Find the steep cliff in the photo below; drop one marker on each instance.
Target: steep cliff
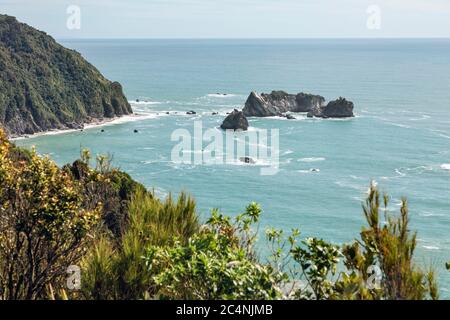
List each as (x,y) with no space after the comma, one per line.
(44,86)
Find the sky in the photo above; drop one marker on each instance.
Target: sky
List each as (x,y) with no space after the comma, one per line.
(234,18)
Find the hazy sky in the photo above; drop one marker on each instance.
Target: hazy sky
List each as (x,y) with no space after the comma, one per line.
(237,18)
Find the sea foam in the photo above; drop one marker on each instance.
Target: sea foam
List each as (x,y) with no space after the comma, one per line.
(312,159)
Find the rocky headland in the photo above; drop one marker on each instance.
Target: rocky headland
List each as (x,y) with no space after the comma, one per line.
(44,86)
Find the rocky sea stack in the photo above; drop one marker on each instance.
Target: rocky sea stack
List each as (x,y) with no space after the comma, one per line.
(340,108)
(44,86)
(236,120)
(278,103)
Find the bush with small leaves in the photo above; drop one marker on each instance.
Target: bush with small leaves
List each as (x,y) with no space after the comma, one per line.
(216,263)
(43,226)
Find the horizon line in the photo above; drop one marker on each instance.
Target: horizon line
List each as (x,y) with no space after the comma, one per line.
(255,38)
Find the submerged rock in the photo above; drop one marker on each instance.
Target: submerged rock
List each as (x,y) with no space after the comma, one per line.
(247,160)
(236,120)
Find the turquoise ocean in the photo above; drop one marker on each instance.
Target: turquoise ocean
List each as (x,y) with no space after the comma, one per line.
(400,137)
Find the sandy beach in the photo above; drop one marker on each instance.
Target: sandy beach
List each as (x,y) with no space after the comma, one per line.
(91,125)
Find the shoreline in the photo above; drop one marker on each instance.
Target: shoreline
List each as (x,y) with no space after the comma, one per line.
(87,126)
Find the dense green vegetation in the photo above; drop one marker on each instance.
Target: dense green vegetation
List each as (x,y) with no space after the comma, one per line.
(131,245)
(45,86)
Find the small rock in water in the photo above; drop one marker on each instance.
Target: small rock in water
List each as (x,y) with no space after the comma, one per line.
(315,170)
(137,100)
(103,130)
(215,113)
(167,112)
(136,131)
(191,112)
(290,117)
(247,160)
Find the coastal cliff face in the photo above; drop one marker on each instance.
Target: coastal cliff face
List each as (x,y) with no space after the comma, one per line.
(278,103)
(44,86)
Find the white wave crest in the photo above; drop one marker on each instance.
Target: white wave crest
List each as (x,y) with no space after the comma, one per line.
(221,95)
(144,102)
(312,159)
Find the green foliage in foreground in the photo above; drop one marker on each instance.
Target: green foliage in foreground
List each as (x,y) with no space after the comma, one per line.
(43,226)
(219,262)
(116,269)
(388,245)
(216,263)
(131,245)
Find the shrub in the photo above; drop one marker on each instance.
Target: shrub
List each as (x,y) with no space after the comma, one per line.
(107,185)
(116,269)
(216,263)
(388,246)
(379,266)
(43,226)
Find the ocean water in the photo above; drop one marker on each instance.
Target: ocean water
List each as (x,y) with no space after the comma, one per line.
(400,137)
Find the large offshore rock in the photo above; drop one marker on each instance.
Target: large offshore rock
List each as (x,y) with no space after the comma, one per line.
(340,108)
(236,120)
(278,103)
